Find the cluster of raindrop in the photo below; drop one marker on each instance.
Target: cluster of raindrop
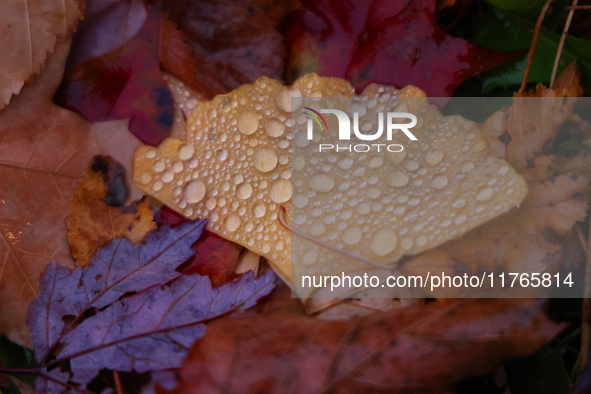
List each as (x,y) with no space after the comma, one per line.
(381,205)
(234,167)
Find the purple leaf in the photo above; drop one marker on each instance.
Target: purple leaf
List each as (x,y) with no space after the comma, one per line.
(107,25)
(46,382)
(116,269)
(153,329)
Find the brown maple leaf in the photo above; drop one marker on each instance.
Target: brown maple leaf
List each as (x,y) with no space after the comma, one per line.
(421,348)
(93,223)
(30,32)
(43,150)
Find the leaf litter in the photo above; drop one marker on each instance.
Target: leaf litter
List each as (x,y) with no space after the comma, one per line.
(44,149)
(117,312)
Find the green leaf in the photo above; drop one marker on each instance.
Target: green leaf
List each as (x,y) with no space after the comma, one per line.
(501,30)
(543,372)
(526,8)
(16,356)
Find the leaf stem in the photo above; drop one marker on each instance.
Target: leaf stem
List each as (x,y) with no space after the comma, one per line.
(31,371)
(561,43)
(532,50)
(118,385)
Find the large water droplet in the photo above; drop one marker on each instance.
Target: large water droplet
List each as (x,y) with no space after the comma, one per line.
(248,122)
(265,159)
(321,183)
(398,179)
(384,242)
(485,194)
(439,182)
(274,128)
(194,191)
(280,191)
(232,223)
(352,236)
(244,191)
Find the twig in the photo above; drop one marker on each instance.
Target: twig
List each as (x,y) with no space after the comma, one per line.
(532,50)
(561,43)
(579,7)
(118,385)
(31,371)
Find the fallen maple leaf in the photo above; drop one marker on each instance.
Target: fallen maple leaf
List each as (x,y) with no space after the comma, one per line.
(30,32)
(428,347)
(149,330)
(220,45)
(391,43)
(44,149)
(125,83)
(116,269)
(93,223)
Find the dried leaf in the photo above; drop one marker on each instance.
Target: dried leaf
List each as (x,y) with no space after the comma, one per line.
(93,224)
(125,83)
(391,43)
(44,149)
(232,43)
(30,32)
(421,348)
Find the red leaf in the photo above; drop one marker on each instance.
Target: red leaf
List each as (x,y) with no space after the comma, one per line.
(125,83)
(387,42)
(215,256)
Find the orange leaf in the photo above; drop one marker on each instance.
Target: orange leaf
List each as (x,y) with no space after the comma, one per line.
(93,224)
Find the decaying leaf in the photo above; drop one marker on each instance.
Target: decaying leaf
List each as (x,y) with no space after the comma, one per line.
(536,237)
(44,149)
(125,83)
(234,168)
(92,223)
(392,43)
(30,32)
(424,348)
(220,45)
(149,330)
